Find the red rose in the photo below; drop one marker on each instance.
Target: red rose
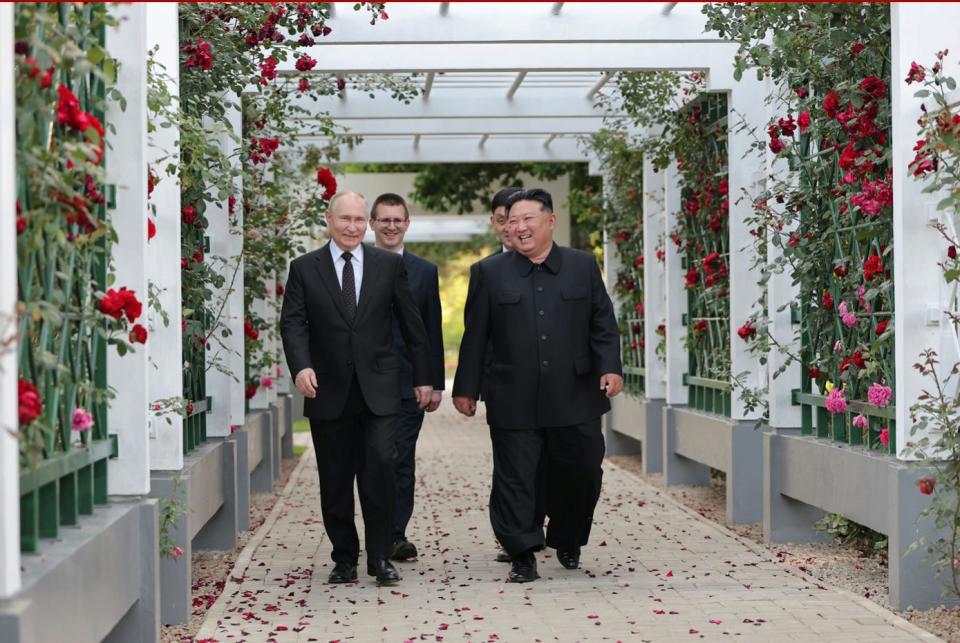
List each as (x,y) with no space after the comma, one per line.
(639,307)
(856,359)
(305,63)
(803,121)
(747,331)
(198,55)
(638,262)
(68,106)
(303,85)
(776,145)
(813,373)
(926,485)
(917,74)
(849,157)
(874,86)
(250,331)
(232,204)
(881,327)
(827,300)
(857,48)
(251,390)
(29,403)
(138,334)
(151,229)
(872,266)
(801,92)
(21,220)
(189,214)
(692,277)
(700,326)
(183,263)
(279,289)
(831,105)
(328,181)
(198,256)
(951,251)
(840,271)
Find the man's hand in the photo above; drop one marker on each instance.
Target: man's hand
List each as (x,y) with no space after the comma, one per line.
(611,384)
(435,398)
(466,405)
(306,383)
(423,394)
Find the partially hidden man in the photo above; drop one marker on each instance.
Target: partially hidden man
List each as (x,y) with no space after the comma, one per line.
(555,363)
(390,219)
(337,330)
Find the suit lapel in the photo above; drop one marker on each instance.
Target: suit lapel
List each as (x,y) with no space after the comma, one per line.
(328,275)
(366,282)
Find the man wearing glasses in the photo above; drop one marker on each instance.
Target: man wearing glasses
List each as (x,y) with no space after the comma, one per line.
(391,219)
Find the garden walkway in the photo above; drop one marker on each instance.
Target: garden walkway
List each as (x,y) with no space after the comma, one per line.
(654,571)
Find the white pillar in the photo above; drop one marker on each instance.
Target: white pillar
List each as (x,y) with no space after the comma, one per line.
(746,100)
(9,418)
(235,306)
(678,362)
(226,246)
(917,247)
(262,398)
(163,256)
(654,218)
(126,162)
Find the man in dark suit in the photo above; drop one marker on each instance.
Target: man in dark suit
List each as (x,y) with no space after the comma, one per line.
(556,361)
(390,220)
(337,330)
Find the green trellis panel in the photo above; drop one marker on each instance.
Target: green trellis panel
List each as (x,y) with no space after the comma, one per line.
(64,475)
(708,370)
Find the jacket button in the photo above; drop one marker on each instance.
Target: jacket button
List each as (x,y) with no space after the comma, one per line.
(546,363)
(543,337)
(539,288)
(541,313)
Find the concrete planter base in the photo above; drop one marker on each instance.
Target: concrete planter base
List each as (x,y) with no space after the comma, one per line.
(96,582)
(634,424)
(805,477)
(693,442)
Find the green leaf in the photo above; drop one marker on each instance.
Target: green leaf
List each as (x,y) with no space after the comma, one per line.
(95,55)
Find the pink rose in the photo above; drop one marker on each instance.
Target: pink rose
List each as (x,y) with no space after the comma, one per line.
(82,419)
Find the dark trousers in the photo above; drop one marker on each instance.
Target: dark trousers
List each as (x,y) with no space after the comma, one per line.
(357,445)
(572,457)
(409,423)
(540,495)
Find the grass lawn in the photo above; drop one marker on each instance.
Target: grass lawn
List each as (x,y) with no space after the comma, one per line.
(301,426)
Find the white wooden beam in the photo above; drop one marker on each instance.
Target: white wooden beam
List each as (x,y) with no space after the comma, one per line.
(9,418)
(428,85)
(126,165)
(422,22)
(450,57)
(516,84)
(554,102)
(163,257)
(675,296)
(461,150)
(654,278)
(468,126)
(917,277)
(607,75)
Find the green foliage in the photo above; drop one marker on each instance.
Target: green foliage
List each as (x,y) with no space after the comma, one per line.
(852,534)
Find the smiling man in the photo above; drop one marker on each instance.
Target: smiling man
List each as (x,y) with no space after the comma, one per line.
(337,329)
(555,362)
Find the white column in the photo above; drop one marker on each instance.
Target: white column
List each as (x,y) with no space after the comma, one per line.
(917,247)
(272,343)
(226,246)
(746,100)
(675,299)
(654,219)
(9,419)
(126,162)
(163,257)
(235,305)
(611,259)
(262,398)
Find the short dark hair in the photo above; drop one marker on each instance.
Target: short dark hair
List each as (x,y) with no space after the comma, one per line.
(503,197)
(534,194)
(389,198)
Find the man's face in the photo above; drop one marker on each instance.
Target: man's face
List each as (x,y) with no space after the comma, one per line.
(499,222)
(390,226)
(531,228)
(347,221)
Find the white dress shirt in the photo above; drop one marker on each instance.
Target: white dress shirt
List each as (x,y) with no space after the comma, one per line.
(339,261)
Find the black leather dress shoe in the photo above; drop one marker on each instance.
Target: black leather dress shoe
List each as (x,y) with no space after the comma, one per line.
(523,569)
(569,558)
(385,572)
(403,549)
(342,573)
(503,556)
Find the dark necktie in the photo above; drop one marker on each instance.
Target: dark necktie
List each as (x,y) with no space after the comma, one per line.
(349,288)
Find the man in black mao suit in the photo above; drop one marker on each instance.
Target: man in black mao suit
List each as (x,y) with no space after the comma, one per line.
(390,220)
(337,330)
(555,362)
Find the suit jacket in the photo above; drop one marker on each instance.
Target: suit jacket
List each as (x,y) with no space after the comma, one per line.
(317,335)
(552,332)
(471,293)
(424,282)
